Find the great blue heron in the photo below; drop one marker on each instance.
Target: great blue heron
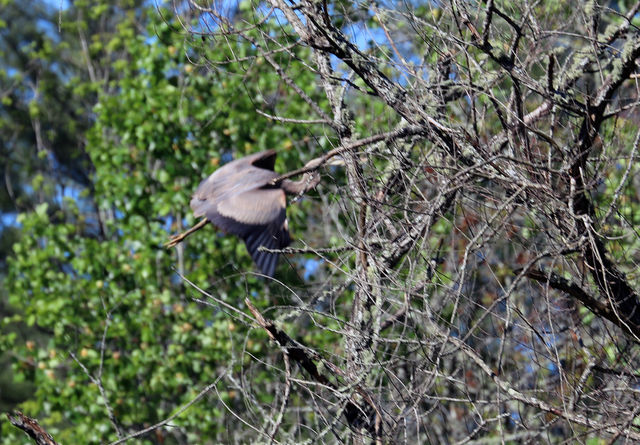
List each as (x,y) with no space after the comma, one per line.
(243,199)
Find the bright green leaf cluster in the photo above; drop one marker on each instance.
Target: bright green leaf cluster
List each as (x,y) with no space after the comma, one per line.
(161,126)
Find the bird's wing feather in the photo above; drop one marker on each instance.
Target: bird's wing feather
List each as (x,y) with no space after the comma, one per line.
(271,238)
(257,216)
(265,159)
(239,214)
(237,199)
(254,207)
(230,183)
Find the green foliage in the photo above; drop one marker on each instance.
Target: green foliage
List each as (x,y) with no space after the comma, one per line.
(120,112)
(161,126)
(43,118)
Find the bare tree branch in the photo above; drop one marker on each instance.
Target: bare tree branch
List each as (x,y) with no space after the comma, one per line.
(31,428)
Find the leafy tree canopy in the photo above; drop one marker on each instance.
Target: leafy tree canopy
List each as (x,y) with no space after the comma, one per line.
(161,125)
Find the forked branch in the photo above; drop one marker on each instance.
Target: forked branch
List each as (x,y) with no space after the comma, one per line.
(357,416)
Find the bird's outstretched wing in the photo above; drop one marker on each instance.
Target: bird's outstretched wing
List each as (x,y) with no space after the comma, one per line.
(238,199)
(258,216)
(271,237)
(265,159)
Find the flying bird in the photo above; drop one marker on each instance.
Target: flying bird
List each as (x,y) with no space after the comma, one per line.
(245,198)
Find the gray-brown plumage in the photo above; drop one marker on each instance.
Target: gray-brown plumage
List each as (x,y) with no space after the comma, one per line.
(239,198)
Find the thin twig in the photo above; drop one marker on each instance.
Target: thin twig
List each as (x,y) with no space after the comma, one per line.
(103,394)
(182,409)
(355,414)
(294,121)
(319,161)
